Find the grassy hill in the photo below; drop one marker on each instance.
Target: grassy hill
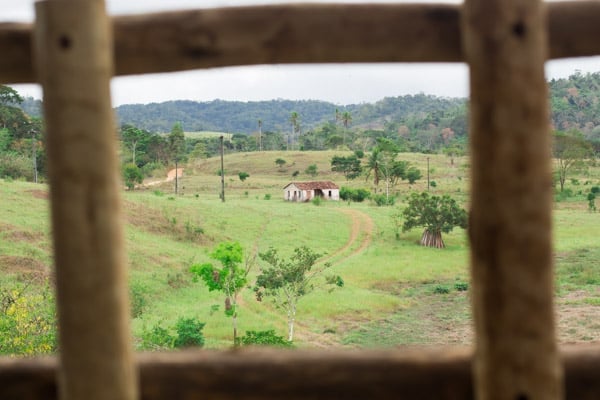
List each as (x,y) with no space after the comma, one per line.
(395,291)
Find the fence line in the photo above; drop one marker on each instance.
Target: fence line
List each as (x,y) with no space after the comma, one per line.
(184,40)
(268,374)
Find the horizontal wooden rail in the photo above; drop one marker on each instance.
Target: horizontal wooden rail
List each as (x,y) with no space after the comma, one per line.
(270,374)
(308,33)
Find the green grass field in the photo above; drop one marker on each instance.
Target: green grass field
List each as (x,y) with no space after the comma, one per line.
(395,292)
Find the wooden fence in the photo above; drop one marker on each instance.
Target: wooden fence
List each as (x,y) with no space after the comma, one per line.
(73,50)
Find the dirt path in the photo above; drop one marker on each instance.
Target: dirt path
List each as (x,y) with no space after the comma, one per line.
(361,230)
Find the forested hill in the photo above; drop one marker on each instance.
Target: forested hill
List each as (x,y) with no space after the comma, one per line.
(224,116)
(242,117)
(575,103)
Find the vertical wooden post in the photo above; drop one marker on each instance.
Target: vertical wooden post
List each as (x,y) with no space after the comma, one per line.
(74,63)
(510,221)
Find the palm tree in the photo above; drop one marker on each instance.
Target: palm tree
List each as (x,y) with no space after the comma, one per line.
(346,119)
(295,121)
(374,165)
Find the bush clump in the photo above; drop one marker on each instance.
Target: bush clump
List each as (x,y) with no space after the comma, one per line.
(263,338)
(188,333)
(356,195)
(383,200)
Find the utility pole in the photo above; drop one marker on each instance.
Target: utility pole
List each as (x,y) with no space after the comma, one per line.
(222,173)
(428,174)
(259,135)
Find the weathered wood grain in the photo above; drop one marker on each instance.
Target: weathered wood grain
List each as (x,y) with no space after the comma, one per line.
(75,67)
(442,373)
(184,40)
(510,221)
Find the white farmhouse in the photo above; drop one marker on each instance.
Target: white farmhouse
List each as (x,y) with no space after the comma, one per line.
(305,191)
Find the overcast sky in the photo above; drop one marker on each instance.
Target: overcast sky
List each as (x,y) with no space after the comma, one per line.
(340,84)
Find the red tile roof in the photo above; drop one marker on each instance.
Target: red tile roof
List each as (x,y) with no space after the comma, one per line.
(322,185)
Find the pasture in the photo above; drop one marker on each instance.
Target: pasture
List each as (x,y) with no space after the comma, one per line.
(395,292)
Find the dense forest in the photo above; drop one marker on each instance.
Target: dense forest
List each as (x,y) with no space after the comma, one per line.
(153,134)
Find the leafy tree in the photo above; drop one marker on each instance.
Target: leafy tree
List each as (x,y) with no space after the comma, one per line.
(176,141)
(311,170)
(27,322)
(454,149)
(413,174)
(287,281)
(570,150)
(132,138)
(349,166)
(132,175)
(9,96)
(230,278)
(243,176)
(436,214)
(280,162)
(189,333)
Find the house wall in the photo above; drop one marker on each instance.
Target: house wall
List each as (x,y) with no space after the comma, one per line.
(292,193)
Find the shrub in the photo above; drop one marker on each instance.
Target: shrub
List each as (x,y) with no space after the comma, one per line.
(461,286)
(137,299)
(189,333)
(356,195)
(132,175)
(317,201)
(383,200)
(263,338)
(440,289)
(157,338)
(27,322)
(243,176)
(268,196)
(413,174)
(564,195)
(432,183)
(15,166)
(312,170)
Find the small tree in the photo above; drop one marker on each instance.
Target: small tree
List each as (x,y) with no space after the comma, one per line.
(312,170)
(413,174)
(132,175)
(570,150)
(243,176)
(436,214)
(287,281)
(349,166)
(280,162)
(229,279)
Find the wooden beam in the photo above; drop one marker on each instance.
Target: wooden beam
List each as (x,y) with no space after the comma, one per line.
(510,221)
(442,373)
(74,62)
(184,40)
